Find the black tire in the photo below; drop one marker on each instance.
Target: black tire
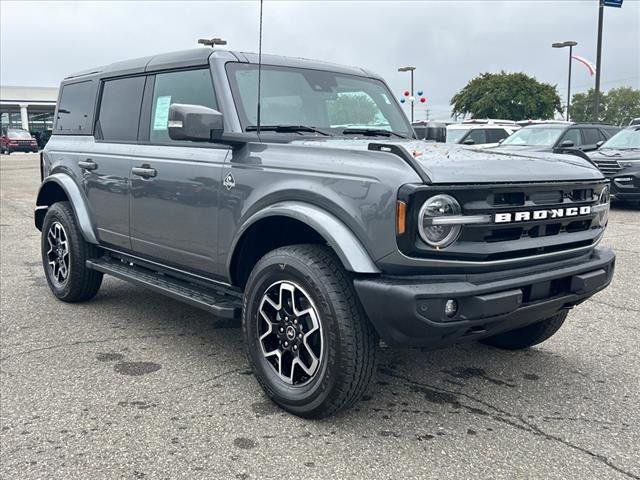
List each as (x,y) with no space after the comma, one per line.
(347,359)
(80,283)
(528,336)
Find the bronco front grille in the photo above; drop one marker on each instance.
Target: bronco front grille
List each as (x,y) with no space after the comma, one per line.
(510,240)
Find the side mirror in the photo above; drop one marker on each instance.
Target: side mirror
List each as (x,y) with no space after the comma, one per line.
(194,122)
(500,141)
(566,144)
(469,141)
(599,144)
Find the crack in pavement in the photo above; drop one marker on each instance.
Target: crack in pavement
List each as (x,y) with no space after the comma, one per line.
(184,387)
(88,342)
(612,305)
(503,416)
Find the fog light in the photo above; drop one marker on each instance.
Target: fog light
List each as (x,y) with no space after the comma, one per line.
(450,308)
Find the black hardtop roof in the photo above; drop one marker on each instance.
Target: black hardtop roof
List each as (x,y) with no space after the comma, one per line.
(200,56)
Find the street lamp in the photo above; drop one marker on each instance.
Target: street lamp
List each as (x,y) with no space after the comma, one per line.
(409,69)
(569,44)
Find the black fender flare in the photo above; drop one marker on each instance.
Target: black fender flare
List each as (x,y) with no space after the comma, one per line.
(76,198)
(339,237)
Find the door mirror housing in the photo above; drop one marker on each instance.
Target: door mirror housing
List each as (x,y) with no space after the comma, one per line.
(469,141)
(566,144)
(599,144)
(195,123)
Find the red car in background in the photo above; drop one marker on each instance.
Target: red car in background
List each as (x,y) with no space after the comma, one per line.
(17,140)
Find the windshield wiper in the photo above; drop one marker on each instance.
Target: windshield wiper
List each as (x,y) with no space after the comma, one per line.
(286,128)
(372,132)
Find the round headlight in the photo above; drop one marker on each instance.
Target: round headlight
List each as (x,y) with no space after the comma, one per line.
(437,233)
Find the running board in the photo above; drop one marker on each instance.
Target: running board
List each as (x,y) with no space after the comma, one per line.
(224,303)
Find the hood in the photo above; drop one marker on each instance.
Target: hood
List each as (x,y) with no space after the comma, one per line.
(611,154)
(523,148)
(452,163)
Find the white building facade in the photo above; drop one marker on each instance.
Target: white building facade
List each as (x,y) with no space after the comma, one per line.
(29,108)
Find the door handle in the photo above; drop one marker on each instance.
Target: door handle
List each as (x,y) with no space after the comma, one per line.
(87,164)
(144,171)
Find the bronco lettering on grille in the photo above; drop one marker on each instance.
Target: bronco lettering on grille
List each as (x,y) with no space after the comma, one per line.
(526,216)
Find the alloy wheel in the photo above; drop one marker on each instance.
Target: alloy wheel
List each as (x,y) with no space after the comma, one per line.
(58,253)
(290,332)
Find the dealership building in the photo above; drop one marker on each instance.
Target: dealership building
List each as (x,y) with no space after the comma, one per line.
(29,108)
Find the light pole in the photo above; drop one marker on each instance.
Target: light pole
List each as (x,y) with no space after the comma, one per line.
(596,96)
(569,44)
(409,69)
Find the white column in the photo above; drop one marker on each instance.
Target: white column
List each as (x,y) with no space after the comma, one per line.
(24,116)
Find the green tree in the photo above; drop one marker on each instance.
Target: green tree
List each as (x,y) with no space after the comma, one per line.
(354,109)
(581,109)
(510,96)
(621,105)
(617,106)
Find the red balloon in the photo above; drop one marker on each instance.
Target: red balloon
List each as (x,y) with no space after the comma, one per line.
(406,93)
(423,100)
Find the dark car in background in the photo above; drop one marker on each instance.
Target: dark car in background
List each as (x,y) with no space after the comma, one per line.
(561,137)
(619,160)
(430,130)
(17,140)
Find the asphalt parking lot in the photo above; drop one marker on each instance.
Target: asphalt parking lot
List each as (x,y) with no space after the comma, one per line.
(135,385)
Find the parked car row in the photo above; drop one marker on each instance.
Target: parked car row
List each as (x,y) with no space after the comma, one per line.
(615,151)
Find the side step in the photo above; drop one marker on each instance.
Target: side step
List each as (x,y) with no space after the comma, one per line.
(224,303)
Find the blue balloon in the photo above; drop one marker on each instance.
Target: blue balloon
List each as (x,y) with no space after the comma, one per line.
(420,93)
(402,100)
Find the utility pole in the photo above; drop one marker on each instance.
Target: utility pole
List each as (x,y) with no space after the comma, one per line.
(596,96)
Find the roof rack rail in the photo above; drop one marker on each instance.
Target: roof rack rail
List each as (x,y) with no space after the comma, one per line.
(488,121)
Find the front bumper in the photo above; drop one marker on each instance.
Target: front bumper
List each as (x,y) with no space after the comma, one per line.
(409,311)
(626,187)
(22,148)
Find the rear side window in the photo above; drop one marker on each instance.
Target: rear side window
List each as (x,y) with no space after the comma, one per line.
(75,108)
(120,109)
(193,87)
(592,136)
(478,135)
(572,135)
(494,135)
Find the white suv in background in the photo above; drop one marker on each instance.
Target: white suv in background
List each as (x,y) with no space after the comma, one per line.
(480,132)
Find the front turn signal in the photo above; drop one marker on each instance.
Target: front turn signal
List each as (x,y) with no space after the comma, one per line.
(401,217)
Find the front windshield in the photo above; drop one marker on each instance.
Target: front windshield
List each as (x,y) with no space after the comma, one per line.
(624,140)
(320,99)
(534,136)
(455,134)
(19,134)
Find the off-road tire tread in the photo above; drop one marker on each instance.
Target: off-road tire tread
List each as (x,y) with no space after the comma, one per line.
(359,338)
(84,283)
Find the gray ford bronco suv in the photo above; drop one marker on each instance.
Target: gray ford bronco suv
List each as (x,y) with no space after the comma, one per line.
(323,223)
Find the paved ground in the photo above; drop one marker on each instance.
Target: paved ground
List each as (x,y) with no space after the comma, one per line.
(134,385)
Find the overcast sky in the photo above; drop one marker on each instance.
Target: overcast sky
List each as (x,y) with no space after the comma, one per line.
(448,41)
